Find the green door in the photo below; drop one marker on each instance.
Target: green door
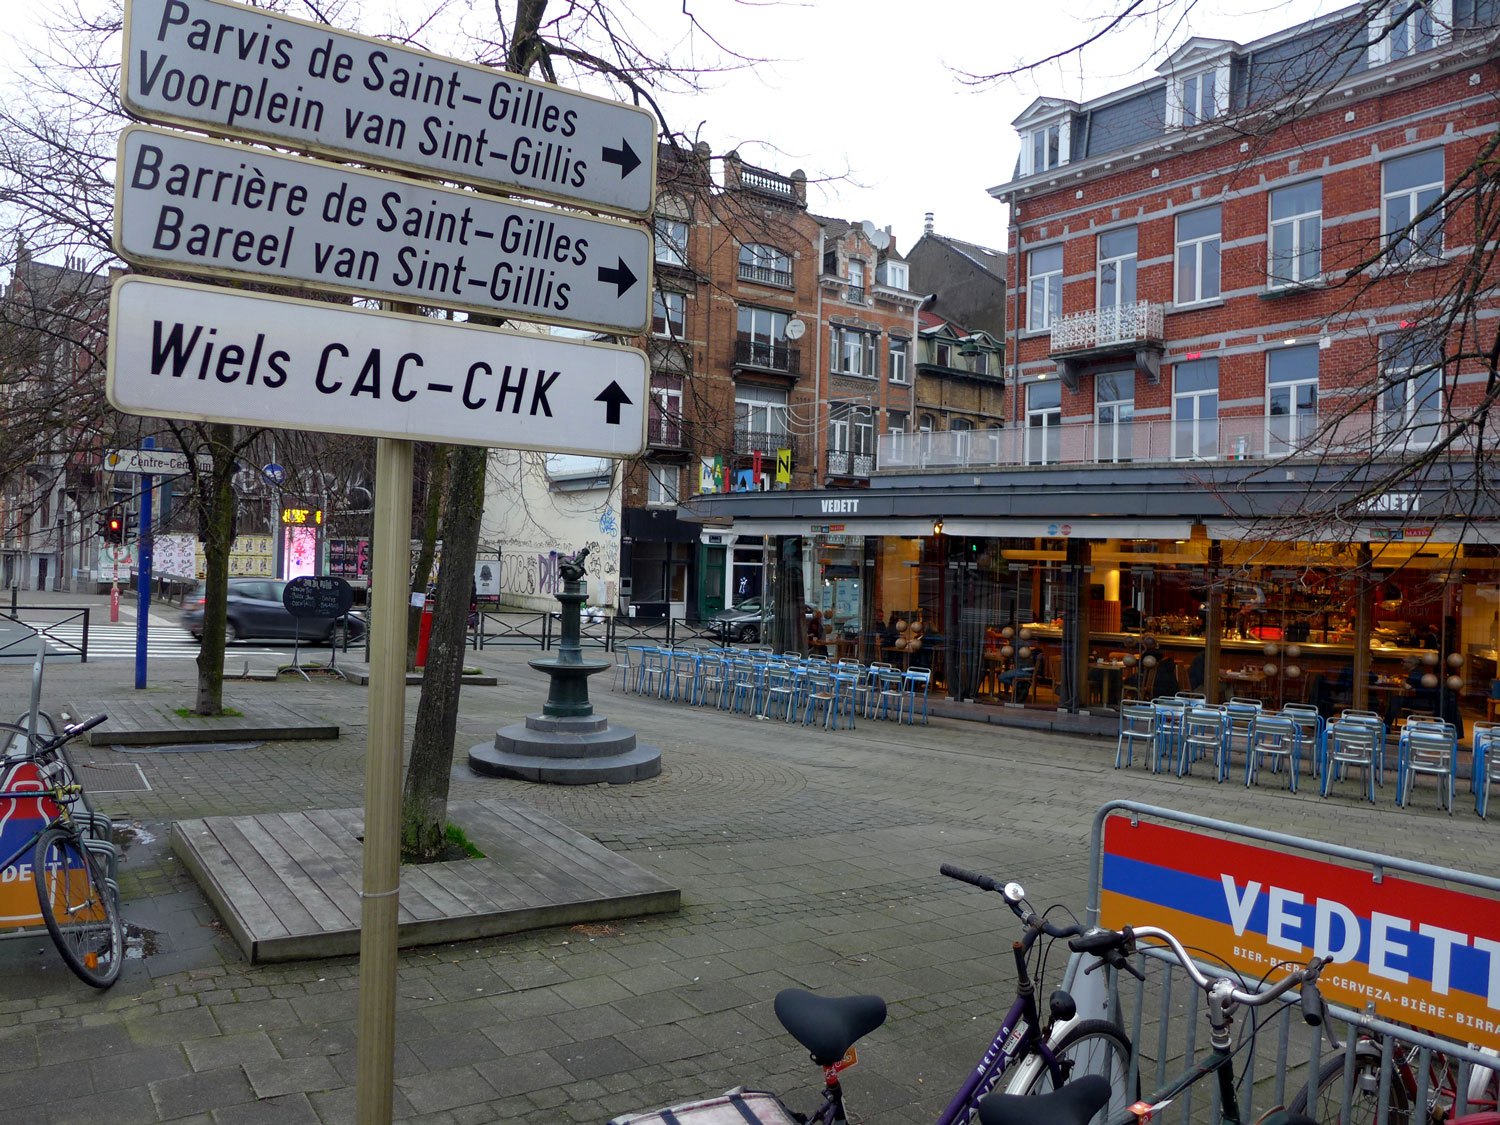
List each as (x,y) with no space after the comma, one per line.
(711,580)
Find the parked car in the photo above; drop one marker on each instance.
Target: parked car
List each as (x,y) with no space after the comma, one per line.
(253,610)
(741,624)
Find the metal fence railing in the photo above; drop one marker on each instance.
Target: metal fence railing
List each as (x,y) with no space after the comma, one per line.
(65,629)
(1385,1071)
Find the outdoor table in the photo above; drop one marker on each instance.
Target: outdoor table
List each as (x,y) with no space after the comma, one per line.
(1109,675)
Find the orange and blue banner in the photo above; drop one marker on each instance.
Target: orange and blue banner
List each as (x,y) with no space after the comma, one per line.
(1422,954)
(21,818)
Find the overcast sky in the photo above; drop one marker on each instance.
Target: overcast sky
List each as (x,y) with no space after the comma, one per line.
(867,96)
(870,89)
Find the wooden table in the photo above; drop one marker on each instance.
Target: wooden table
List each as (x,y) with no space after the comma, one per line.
(1110,678)
(1252,683)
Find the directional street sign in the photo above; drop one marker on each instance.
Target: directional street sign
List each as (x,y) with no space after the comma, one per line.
(179,350)
(218,208)
(244,72)
(157,462)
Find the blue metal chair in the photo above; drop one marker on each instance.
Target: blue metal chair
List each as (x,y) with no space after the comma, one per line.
(1483,769)
(819,698)
(1310,722)
(1204,734)
(1427,748)
(1137,724)
(915,678)
(1277,739)
(1355,742)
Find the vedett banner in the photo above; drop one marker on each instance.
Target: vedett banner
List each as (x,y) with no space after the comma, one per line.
(1424,955)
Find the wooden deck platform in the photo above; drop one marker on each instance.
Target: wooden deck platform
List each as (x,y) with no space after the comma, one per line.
(286,885)
(156,723)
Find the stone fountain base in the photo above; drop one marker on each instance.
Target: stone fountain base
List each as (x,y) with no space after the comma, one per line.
(582,750)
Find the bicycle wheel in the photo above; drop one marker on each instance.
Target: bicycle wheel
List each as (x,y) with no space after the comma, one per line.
(78,907)
(1364,1100)
(1089,1047)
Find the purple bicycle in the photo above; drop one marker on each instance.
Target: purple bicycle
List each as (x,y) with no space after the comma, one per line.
(1031,1057)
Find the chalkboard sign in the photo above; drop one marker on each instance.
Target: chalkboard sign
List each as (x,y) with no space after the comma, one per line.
(318,596)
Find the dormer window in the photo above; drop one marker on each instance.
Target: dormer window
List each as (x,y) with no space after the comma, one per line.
(1402,28)
(1195,98)
(1046,148)
(891,274)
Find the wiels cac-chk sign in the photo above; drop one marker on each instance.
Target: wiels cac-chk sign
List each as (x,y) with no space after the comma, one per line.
(193,351)
(216,208)
(243,72)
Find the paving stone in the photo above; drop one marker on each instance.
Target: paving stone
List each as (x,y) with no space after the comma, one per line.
(116,1107)
(444,1089)
(230,1050)
(289,1109)
(202,1092)
(274,1077)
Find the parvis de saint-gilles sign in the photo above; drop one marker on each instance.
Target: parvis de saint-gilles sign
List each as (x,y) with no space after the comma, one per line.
(181,350)
(243,72)
(219,208)
(1419,953)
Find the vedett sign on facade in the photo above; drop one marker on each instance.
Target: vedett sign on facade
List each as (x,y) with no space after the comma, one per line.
(243,72)
(1422,954)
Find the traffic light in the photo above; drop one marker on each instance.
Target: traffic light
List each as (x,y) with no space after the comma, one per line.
(114,529)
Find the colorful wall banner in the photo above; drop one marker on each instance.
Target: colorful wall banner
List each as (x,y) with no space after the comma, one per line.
(1423,955)
(783,466)
(20,819)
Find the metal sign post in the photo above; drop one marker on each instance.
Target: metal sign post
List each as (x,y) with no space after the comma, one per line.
(143,573)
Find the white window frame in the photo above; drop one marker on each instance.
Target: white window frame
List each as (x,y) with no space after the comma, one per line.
(962,429)
(852,351)
(1403,249)
(1123,265)
(670,240)
(1426,27)
(942,353)
(1197,247)
(664,425)
(893,275)
(899,350)
(757,260)
(1300,424)
(1117,430)
(663,485)
(1041,313)
(1418,422)
(1301,227)
(1185,103)
(670,308)
(1043,427)
(1054,140)
(760,410)
(1202,427)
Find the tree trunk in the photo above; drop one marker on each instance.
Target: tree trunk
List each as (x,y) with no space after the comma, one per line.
(424,807)
(216,506)
(437,479)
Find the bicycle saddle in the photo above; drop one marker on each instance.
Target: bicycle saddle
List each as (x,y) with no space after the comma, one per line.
(828,1025)
(1073,1104)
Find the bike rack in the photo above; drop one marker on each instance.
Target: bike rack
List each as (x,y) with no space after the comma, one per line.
(1286,1053)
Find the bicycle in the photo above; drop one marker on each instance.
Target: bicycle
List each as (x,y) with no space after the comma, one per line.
(1035,1057)
(1432,1082)
(76,903)
(1114,947)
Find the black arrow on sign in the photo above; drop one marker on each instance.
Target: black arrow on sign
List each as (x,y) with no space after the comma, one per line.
(624,156)
(613,398)
(621,276)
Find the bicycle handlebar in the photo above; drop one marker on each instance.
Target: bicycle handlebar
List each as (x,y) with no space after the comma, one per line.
(78,728)
(1034,923)
(1123,942)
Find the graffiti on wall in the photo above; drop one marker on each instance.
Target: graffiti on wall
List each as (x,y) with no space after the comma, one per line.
(536,571)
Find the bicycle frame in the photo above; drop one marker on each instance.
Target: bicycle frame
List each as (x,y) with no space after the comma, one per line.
(1020,1035)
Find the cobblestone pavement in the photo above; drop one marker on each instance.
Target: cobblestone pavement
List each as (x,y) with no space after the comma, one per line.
(806,858)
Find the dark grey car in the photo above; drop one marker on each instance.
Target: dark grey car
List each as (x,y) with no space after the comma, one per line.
(253,610)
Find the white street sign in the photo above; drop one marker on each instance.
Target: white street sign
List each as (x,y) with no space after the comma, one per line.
(179,350)
(245,72)
(219,208)
(157,462)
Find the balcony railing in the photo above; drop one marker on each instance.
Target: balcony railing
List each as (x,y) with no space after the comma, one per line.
(767,356)
(664,431)
(1224,439)
(843,463)
(758,179)
(764,442)
(856,294)
(1136,323)
(765,275)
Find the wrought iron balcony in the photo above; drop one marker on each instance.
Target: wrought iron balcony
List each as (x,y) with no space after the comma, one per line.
(764,442)
(1126,325)
(843,463)
(767,356)
(664,431)
(856,294)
